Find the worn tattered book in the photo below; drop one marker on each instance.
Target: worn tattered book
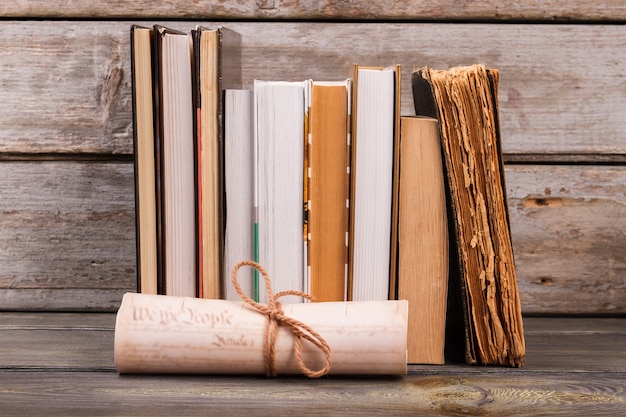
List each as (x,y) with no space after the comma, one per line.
(483,279)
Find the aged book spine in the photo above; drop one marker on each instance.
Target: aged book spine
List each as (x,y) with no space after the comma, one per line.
(166,334)
(423,239)
(464,99)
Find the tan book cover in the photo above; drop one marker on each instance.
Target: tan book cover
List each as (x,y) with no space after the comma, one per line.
(142,43)
(423,239)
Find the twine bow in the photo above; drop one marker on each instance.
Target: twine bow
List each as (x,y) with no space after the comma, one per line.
(275,318)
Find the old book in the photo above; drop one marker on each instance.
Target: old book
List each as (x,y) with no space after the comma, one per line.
(465,102)
(373,192)
(217,66)
(142,40)
(423,239)
(239,188)
(328,189)
(280,114)
(173,52)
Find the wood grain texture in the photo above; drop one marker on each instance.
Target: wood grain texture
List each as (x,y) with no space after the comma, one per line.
(59,321)
(66,87)
(68,236)
(568,228)
(77,350)
(67,227)
(68,231)
(342,9)
(84,341)
(65,299)
(68,369)
(426,394)
(573,344)
(62,90)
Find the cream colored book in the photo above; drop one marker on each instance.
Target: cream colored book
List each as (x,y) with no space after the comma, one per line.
(373,192)
(176,162)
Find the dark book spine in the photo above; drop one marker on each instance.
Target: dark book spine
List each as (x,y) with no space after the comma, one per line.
(459,331)
(196,95)
(158,136)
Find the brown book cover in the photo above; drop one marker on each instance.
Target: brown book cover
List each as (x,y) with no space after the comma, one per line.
(328,189)
(483,282)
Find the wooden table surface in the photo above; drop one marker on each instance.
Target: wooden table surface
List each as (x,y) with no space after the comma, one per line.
(62,364)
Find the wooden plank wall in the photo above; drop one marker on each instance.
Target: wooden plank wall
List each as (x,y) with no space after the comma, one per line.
(66,194)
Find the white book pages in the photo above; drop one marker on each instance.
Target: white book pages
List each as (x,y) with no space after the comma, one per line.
(279,141)
(373,174)
(178,167)
(239,184)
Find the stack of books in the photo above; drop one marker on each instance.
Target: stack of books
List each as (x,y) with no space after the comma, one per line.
(329,187)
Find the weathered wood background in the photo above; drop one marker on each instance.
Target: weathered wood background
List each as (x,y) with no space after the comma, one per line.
(573,367)
(67,239)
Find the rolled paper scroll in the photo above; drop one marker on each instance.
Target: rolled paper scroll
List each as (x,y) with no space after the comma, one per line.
(166,334)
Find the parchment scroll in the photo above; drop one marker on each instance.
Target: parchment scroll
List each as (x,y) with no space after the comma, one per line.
(166,334)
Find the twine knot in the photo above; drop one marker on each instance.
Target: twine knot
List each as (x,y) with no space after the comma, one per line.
(275,318)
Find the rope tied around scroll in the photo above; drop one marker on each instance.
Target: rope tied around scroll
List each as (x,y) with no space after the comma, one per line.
(275,318)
